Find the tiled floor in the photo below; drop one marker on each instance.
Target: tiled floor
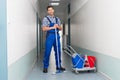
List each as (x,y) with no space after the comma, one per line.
(37,73)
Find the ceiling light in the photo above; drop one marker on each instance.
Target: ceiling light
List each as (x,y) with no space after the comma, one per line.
(54,4)
(54,0)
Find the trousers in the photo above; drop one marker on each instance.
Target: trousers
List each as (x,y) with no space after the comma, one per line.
(51,41)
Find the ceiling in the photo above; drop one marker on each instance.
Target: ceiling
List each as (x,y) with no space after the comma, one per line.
(60,10)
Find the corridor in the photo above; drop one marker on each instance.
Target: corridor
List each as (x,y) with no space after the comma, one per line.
(91,27)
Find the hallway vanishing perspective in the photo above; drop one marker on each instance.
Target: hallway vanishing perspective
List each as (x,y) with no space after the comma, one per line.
(91,27)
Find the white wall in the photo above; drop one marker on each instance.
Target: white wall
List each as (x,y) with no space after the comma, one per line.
(96,26)
(21,29)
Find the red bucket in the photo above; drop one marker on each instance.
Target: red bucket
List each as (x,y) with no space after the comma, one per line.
(91,60)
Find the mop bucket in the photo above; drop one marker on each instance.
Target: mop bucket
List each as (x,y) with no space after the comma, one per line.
(91,60)
(80,62)
(77,61)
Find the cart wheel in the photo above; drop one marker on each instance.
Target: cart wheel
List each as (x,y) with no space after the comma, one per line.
(73,70)
(88,71)
(76,72)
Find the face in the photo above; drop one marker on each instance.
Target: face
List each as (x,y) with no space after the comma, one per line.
(50,11)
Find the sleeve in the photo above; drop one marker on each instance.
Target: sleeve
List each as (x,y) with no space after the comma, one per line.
(59,21)
(45,22)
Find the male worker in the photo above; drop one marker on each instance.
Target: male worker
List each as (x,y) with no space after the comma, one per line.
(49,24)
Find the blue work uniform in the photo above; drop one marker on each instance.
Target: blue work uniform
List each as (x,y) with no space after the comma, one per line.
(51,41)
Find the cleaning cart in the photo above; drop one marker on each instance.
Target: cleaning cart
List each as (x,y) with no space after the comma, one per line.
(81,62)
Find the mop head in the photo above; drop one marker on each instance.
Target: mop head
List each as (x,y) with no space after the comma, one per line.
(58,72)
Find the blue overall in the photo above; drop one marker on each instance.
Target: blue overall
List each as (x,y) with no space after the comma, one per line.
(51,41)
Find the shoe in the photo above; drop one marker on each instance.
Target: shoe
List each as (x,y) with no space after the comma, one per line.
(61,68)
(45,70)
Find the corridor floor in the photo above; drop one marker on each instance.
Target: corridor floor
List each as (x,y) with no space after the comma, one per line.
(37,74)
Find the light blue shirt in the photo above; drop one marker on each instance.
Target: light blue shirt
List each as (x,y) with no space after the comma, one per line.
(46,22)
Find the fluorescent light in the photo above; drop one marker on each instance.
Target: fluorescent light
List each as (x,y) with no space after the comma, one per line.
(54,4)
(54,0)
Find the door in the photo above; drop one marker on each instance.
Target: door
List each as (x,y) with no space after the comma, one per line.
(69,27)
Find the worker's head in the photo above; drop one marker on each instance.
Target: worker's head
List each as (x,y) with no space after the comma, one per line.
(50,10)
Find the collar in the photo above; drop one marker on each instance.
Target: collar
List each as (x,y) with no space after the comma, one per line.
(51,16)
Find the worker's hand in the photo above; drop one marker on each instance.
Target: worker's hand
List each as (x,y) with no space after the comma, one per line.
(55,26)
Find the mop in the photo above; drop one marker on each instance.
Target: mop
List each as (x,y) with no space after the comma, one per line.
(57,71)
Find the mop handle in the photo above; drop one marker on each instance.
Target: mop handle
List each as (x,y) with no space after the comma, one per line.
(57,46)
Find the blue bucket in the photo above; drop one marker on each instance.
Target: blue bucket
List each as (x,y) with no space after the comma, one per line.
(78,61)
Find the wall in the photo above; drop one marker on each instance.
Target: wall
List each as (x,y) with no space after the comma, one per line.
(98,24)
(3,40)
(95,27)
(21,37)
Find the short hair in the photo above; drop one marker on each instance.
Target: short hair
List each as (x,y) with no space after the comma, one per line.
(50,7)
